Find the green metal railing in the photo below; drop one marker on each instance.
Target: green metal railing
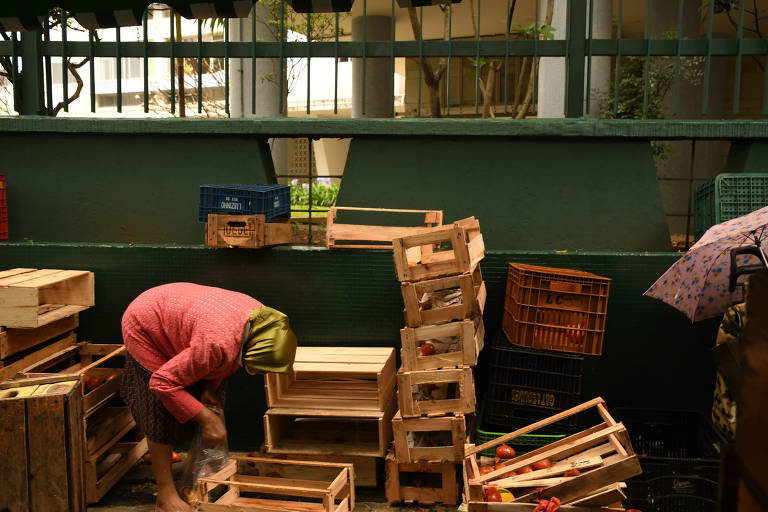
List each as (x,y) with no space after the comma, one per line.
(35,51)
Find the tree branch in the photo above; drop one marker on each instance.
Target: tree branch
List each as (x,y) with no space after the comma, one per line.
(77,92)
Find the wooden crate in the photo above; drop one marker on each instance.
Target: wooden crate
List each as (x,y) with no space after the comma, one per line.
(450,391)
(469,339)
(360,236)
(333,493)
(42,445)
(366,468)
(32,298)
(11,367)
(449,434)
(78,359)
(246,231)
(106,466)
(422,299)
(514,506)
(328,431)
(355,378)
(555,309)
(13,341)
(603,454)
(421,482)
(419,257)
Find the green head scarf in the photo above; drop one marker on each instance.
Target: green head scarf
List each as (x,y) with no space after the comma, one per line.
(269,344)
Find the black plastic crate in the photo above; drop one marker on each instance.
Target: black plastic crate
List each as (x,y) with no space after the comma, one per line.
(268,200)
(500,416)
(540,378)
(679,452)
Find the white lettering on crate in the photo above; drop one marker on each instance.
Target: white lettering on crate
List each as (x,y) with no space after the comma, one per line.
(229,205)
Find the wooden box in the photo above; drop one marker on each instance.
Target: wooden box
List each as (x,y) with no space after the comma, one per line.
(361,236)
(328,487)
(32,298)
(107,465)
(421,482)
(441,251)
(42,445)
(366,468)
(436,301)
(328,432)
(468,339)
(355,378)
(602,454)
(432,439)
(10,367)
(13,341)
(101,377)
(246,231)
(450,391)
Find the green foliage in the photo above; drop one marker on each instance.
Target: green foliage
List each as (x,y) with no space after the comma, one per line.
(517,32)
(322,195)
(323,25)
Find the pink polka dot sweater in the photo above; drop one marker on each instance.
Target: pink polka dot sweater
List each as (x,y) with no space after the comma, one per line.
(184,333)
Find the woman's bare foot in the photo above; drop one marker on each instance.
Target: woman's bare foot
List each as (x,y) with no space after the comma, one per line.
(172,502)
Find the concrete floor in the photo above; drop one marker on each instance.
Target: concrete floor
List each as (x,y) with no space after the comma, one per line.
(135,492)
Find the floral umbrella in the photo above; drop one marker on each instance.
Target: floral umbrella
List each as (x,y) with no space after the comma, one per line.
(698,283)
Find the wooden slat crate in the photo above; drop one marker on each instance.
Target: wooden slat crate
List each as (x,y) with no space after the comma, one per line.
(13,341)
(417,259)
(360,236)
(436,301)
(357,378)
(513,506)
(42,445)
(366,468)
(106,466)
(421,482)
(335,492)
(456,344)
(246,231)
(328,432)
(602,454)
(432,439)
(32,298)
(450,391)
(11,367)
(101,377)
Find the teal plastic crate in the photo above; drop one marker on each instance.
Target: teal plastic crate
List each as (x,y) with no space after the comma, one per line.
(727,196)
(521,444)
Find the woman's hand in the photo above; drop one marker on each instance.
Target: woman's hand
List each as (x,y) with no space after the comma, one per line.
(213,430)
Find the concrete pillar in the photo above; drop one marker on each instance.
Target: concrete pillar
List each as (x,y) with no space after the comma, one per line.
(552,69)
(267,87)
(378,73)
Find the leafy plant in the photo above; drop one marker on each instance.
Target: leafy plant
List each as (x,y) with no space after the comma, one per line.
(322,194)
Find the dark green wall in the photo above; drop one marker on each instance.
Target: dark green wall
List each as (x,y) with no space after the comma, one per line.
(121,187)
(748,157)
(653,356)
(528,194)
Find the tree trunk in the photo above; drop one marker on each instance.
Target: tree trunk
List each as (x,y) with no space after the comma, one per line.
(431,77)
(521,76)
(180,73)
(489,90)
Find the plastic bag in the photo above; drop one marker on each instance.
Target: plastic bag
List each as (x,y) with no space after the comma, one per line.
(203,461)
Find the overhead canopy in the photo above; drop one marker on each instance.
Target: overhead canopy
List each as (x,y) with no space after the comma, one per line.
(26,15)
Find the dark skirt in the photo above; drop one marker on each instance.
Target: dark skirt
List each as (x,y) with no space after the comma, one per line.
(151,416)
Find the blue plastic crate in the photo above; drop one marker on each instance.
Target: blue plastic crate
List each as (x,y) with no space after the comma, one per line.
(727,196)
(268,200)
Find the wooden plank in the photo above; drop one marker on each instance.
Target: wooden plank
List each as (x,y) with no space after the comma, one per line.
(13,272)
(97,488)
(453,452)
(75,442)
(364,468)
(359,236)
(254,504)
(30,317)
(10,371)
(72,287)
(603,497)
(109,424)
(13,341)
(13,464)
(47,447)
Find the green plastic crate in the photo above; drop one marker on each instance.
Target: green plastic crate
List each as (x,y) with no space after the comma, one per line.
(521,444)
(727,196)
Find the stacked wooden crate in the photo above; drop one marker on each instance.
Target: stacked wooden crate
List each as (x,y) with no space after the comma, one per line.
(444,296)
(337,407)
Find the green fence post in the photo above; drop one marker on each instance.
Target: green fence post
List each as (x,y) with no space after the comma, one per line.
(574,71)
(32,77)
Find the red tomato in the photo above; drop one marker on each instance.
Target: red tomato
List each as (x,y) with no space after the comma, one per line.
(484,470)
(542,464)
(492,494)
(250,463)
(572,472)
(526,469)
(428,349)
(505,475)
(175,457)
(505,452)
